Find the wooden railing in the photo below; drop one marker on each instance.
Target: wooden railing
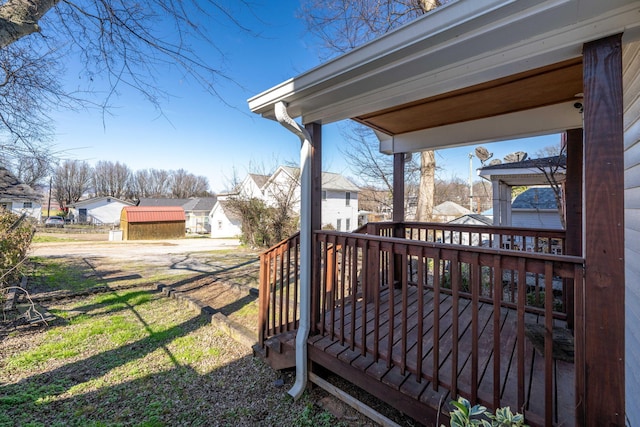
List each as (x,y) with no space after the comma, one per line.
(355,270)
(279,309)
(511,238)
(351,273)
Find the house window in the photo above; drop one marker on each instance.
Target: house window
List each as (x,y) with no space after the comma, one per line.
(339,225)
(347,199)
(347,224)
(324,195)
(27,205)
(108,200)
(219,225)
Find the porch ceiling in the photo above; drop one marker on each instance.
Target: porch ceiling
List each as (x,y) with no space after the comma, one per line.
(541,87)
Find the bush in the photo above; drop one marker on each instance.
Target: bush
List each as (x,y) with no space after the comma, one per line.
(465,415)
(16,233)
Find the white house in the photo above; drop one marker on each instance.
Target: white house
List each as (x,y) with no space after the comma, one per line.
(98,210)
(536,207)
(339,200)
(17,197)
(223,222)
(448,211)
(339,196)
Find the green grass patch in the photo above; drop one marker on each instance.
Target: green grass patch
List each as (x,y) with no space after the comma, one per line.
(56,274)
(44,238)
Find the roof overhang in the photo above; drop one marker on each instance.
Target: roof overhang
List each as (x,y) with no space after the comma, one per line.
(447,78)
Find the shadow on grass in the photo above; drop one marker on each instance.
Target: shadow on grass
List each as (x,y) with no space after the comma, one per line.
(241,392)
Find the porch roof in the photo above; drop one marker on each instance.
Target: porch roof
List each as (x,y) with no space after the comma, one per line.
(442,80)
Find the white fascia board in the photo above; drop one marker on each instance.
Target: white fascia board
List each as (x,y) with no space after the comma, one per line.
(539,121)
(464,43)
(563,43)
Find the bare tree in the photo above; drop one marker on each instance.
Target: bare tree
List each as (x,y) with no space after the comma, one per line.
(552,162)
(30,168)
(159,181)
(342,25)
(110,179)
(120,44)
(71,181)
(184,185)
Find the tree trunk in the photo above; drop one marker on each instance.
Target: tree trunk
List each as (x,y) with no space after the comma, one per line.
(427,186)
(19,18)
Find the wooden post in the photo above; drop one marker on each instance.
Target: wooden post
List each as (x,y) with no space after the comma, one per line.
(601,338)
(398,213)
(315,130)
(573,209)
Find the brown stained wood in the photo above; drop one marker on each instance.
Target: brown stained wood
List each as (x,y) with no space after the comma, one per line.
(604,371)
(475,347)
(394,378)
(544,86)
(408,385)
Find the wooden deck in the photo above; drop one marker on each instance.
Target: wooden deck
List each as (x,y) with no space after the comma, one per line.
(425,378)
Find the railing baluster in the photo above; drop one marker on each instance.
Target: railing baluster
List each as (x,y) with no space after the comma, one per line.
(391,291)
(288,292)
(366,287)
(405,286)
(497,297)
(436,319)
(522,290)
(281,292)
(548,343)
(342,298)
(455,327)
(475,271)
(354,289)
(421,288)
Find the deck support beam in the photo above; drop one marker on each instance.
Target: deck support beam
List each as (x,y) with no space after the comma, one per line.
(601,401)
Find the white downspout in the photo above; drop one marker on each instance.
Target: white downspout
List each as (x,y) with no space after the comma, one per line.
(305,247)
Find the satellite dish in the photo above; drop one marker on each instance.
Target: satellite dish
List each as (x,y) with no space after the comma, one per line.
(518,156)
(483,154)
(495,162)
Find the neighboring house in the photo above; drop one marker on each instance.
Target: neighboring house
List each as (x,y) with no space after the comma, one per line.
(466,238)
(17,197)
(537,208)
(339,200)
(196,210)
(339,196)
(97,211)
(470,72)
(448,211)
(224,222)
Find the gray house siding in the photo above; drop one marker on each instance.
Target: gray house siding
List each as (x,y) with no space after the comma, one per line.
(631,82)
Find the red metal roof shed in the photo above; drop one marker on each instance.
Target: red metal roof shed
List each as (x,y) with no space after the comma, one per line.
(152,222)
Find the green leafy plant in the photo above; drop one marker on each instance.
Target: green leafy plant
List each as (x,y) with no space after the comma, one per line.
(465,415)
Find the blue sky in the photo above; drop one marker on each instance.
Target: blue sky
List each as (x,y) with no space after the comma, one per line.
(203,135)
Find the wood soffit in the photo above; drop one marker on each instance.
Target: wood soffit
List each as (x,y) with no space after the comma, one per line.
(549,85)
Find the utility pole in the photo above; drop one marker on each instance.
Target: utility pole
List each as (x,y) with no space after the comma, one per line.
(49,201)
(470,182)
